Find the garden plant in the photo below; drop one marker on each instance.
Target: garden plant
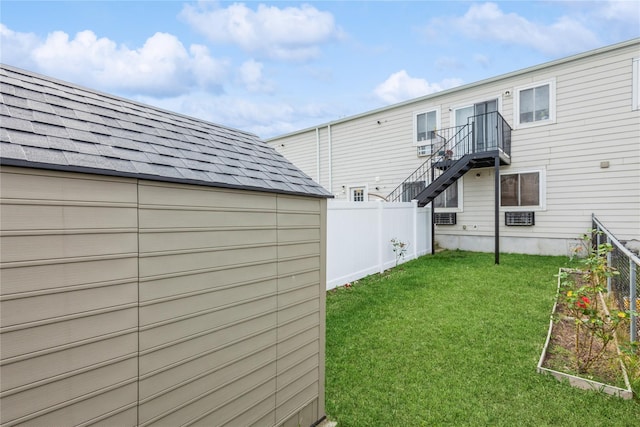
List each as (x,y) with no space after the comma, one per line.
(581,299)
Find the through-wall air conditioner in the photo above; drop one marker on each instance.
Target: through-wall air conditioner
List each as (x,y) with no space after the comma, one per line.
(519,218)
(444,218)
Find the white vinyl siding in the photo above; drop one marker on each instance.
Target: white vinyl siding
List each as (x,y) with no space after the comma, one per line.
(636,84)
(592,124)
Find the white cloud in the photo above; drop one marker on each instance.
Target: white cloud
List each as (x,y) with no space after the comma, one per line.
(618,20)
(487,21)
(290,33)
(162,72)
(15,47)
(161,67)
(400,87)
(624,11)
(250,73)
(264,117)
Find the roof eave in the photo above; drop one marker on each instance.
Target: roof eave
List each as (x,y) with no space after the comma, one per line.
(465,87)
(323,194)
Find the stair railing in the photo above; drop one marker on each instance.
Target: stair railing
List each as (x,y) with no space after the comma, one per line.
(484,132)
(450,145)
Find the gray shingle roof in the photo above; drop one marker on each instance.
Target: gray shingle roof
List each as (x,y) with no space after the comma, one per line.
(49,124)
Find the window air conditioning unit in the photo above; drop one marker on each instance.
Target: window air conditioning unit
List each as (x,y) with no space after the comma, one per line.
(424,150)
(519,218)
(444,218)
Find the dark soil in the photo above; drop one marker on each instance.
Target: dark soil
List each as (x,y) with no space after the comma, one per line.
(561,356)
(561,353)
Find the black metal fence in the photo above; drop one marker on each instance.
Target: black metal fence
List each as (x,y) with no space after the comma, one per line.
(623,287)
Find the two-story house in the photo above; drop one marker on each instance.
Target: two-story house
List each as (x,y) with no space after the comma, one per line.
(529,155)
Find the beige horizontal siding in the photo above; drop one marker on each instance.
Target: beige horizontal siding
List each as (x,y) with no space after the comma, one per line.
(78,273)
(68,331)
(208,324)
(299,307)
(127,302)
(184,324)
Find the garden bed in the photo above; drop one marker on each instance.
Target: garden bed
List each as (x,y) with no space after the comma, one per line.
(607,375)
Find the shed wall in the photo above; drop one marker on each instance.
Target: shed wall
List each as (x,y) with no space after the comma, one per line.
(69,298)
(218,292)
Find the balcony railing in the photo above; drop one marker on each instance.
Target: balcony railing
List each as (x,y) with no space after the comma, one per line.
(485,133)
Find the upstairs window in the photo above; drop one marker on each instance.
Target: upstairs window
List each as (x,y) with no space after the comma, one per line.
(535,104)
(520,189)
(425,125)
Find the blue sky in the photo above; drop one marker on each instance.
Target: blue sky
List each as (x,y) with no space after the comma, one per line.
(274,67)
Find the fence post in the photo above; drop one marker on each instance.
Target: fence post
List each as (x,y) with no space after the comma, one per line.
(594,234)
(632,299)
(609,265)
(414,206)
(380,245)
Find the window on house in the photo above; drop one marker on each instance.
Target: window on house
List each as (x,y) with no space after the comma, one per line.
(448,198)
(535,104)
(410,190)
(357,194)
(426,123)
(636,84)
(520,189)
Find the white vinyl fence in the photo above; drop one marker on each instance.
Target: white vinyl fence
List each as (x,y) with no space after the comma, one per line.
(359,237)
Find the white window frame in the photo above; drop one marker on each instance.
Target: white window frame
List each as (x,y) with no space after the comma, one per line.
(542,195)
(365,194)
(454,108)
(636,84)
(414,137)
(460,207)
(552,104)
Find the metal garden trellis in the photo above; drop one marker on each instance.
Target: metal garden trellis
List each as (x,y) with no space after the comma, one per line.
(623,286)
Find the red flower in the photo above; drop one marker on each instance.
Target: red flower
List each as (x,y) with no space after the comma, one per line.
(583,303)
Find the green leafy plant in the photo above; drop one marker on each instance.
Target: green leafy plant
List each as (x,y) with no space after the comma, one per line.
(580,295)
(631,359)
(399,249)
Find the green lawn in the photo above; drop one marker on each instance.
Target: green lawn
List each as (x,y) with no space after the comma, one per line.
(453,339)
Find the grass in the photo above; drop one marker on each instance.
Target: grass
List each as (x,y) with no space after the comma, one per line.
(453,339)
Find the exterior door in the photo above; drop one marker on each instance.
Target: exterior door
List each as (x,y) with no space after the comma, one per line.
(486,126)
(463,142)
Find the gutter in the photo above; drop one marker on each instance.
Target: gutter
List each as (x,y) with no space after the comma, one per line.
(330,165)
(522,71)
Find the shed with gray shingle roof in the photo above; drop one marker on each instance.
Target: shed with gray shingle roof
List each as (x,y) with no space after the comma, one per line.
(156,268)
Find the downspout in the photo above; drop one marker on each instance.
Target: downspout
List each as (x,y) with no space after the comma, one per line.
(496,201)
(330,165)
(318,155)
